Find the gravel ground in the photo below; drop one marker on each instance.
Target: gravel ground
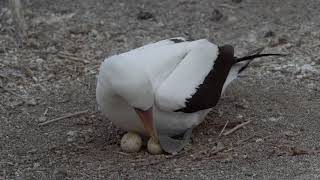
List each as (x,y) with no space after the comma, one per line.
(53,74)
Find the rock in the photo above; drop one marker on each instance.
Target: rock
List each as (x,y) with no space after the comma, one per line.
(88,135)
(9,21)
(32,102)
(36,64)
(60,174)
(131,142)
(42,119)
(33,43)
(14,103)
(312,86)
(219,146)
(94,32)
(154,147)
(239,116)
(80,29)
(232,18)
(299,76)
(252,37)
(216,15)
(72,135)
(282,40)
(36,165)
(274,119)
(277,68)
(290,133)
(269,34)
(52,49)
(144,15)
(307,68)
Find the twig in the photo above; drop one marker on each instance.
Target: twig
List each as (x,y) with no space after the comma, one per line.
(236,128)
(227,6)
(72,57)
(5,162)
(13,93)
(18,16)
(46,112)
(63,117)
(246,139)
(122,153)
(224,127)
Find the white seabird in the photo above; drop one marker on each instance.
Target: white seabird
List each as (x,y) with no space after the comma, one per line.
(164,89)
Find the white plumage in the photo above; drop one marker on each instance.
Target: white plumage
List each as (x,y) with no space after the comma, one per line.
(167,72)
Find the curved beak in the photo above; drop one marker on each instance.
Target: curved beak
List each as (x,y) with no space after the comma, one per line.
(146,117)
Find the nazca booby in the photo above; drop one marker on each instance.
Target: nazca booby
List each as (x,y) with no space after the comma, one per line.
(166,88)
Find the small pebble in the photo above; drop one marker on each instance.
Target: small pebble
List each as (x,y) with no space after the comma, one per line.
(299,76)
(307,68)
(239,116)
(32,102)
(60,174)
(312,86)
(42,119)
(290,133)
(274,119)
(143,15)
(72,135)
(9,21)
(269,34)
(236,1)
(36,165)
(216,15)
(282,40)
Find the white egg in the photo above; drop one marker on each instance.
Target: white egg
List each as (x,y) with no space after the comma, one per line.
(131,142)
(154,146)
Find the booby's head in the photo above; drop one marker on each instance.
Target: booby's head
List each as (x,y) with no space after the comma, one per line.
(130,82)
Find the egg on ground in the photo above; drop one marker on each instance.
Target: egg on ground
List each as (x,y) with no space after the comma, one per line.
(154,147)
(131,142)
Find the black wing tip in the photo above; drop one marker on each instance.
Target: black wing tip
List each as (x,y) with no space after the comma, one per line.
(251,57)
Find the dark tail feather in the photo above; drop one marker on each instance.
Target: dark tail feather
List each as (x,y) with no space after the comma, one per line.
(251,57)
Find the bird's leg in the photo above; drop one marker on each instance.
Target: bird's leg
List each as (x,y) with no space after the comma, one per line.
(146,118)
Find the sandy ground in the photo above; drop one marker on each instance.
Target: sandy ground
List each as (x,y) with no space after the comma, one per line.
(54,71)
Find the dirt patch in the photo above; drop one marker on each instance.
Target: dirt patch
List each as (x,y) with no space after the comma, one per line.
(54,74)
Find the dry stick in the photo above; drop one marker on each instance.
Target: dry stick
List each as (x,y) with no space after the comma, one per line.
(216,151)
(227,6)
(244,140)
(224,127)
(13,93)
(63,117)
(72,57)
(26,100)
(236,128)
(122,153)
(18,16)
(5,162)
